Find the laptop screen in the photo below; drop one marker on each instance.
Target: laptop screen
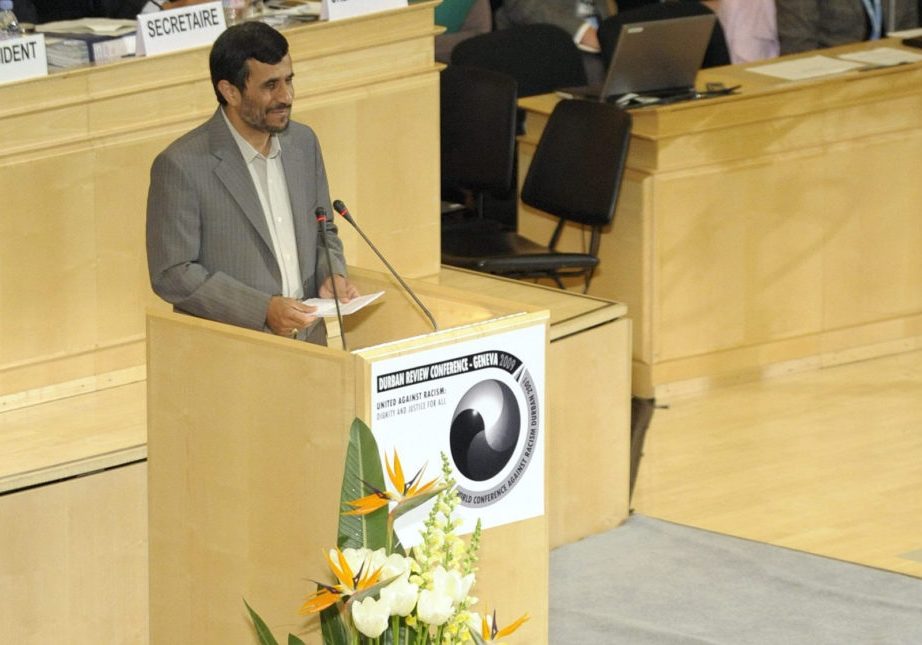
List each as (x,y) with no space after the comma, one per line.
(658,55)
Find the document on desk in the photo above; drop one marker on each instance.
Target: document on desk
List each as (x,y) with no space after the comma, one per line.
(801,69)
(883,57)
(327,307)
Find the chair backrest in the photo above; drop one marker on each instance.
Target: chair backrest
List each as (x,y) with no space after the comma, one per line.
(717,53)
(579,162)
(478,125)
(540,57)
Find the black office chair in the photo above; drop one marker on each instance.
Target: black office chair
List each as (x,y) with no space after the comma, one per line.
(540,57)
(717,53)
(478,125)
(576,176)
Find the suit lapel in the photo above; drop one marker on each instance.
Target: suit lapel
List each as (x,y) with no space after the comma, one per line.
(233,173)
(295,166)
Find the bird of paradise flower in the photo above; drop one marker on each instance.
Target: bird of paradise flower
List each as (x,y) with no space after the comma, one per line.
(406,495)
(351,586)
(490,631)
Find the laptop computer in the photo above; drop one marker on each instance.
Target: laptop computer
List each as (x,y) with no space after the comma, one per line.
(658,58)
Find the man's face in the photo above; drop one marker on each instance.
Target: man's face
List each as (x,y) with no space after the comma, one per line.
(265,103)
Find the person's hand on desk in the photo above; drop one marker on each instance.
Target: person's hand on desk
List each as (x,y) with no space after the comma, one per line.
(287,316)
(344,288)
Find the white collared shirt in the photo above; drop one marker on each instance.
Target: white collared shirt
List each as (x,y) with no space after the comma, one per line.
(268,176)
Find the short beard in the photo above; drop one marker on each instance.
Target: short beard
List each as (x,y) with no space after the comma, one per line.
(262,126)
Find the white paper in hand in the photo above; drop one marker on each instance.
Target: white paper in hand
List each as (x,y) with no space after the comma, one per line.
(327,306)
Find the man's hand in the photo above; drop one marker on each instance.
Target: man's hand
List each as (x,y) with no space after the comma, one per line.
(344,289)
(287,316)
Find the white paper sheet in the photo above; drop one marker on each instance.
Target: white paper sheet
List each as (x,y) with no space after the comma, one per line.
(327,306)
(883,56)
(803,68)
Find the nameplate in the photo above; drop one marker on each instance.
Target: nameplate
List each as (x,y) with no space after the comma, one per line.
(183,28)
(338,9)
(22,58)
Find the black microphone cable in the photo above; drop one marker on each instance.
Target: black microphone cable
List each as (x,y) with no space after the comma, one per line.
(340,208)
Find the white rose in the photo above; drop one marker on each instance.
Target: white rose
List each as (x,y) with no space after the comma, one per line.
(452,583)
(370,616)
(400,596)
(394,565)
(434,608)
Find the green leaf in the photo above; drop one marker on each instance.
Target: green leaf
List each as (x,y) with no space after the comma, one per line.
(363,464)
(262,630)
(294,640)
(334,630)
(405,634)
(373,590)
(476,637)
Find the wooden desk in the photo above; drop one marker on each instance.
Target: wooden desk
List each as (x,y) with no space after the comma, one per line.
(770,231)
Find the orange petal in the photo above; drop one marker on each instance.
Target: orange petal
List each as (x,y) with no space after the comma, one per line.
(366,505)
(422,489)
(348,576)
(370,580)
(508,629)
(324,598)
(397,477)
(342,573)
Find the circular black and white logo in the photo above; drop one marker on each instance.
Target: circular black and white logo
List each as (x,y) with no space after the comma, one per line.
(485,429)
(494,429)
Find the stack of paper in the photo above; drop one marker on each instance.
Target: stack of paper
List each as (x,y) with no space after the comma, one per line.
(69,43)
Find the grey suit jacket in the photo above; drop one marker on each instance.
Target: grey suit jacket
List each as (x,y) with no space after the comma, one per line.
(556,12)
(209,251)
(805,25)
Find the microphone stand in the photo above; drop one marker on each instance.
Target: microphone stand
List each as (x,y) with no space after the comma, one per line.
(340,208)
(321,215)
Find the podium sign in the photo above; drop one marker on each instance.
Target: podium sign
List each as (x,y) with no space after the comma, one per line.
(177,29)
(338,9)
(22,58)
(481,403)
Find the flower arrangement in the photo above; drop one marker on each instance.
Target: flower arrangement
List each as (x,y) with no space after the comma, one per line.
(381,594)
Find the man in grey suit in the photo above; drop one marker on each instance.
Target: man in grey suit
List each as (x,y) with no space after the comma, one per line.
(231,233)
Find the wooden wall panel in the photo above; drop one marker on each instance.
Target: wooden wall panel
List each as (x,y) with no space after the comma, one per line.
(74,565)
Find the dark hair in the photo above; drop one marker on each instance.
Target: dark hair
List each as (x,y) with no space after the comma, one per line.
(236,45)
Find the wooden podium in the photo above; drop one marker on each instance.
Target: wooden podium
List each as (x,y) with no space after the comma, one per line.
(247,438)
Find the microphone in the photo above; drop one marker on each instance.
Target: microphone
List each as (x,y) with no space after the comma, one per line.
(321,214)
(340,208)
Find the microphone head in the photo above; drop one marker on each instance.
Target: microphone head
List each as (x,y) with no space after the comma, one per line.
(340,208)
(320,213)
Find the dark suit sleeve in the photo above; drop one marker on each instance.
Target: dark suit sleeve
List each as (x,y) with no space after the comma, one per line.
(174,229)
(798,25)
(555,12)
